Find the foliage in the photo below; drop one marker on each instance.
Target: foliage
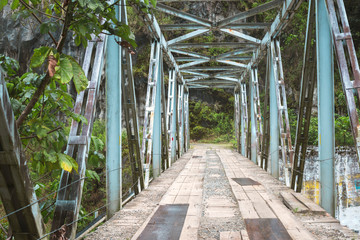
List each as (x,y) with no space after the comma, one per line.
(212,122)
(43,135)
(343,136)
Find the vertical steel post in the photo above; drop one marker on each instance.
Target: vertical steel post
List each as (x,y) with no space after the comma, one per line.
(243,122)
(181,118)
(325,81)
(237,122)
(252,118)
(113,125)
(172,96)
(156,139)
(274,123)
(187,123)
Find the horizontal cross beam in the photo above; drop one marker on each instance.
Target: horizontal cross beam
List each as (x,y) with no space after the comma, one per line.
(240,35)
(237,26)
(192,63)
(191,54)
(188,36)
(214,44)
(234,53)
(219,68)
(189,59)
(252,12)
(187,16)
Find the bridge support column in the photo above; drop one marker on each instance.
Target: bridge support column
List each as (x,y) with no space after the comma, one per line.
(325,81)
(253,119)
(274,122)
(171,106)
(156,138)
(243,118)
(181,118)
(113,126)
(237,121)
(186,120)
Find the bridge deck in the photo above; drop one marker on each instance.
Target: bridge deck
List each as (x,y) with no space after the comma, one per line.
(215,193)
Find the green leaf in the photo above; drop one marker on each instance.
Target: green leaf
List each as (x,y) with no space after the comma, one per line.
(98,143)
(15,4)
(94,4)
(40,54)
(153,2)
(67,163)
(28,78)
(41,131)
(80,80)
(92,175)
(79,118)
(82,3)
(3,3)
(49,157)
(77,40)
(64,72)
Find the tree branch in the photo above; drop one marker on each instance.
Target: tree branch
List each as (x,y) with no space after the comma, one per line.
(47,78)
(38,19)
(34,136)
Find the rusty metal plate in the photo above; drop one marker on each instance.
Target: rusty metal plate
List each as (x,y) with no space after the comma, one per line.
(166,223)
(266,229)
(245,181)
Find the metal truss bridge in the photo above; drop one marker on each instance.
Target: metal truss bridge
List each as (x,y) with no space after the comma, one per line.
(263,134)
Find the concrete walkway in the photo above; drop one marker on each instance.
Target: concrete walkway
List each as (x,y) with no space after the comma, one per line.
(215,193)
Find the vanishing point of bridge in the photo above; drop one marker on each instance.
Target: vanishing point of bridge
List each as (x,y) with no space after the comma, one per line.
(171,182)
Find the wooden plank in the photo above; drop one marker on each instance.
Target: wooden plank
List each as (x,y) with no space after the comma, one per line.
(314,208)
(263,210)
(293,203)
(284,214)
(229,235)
(247,210)
(300,234)
(244,235)
(326,219)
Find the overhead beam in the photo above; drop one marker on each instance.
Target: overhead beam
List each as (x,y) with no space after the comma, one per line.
(197,86)
(233,63)
(188,59)
(194,73)
(196,79)
(188,36)
(192,63)
(219,68)
(187,16)
(252,12)
(228,79)
(169,1)
(215,44)
(234,53)
(240,35)
(242,26)
(191,54)
(212,81)
(227,73)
